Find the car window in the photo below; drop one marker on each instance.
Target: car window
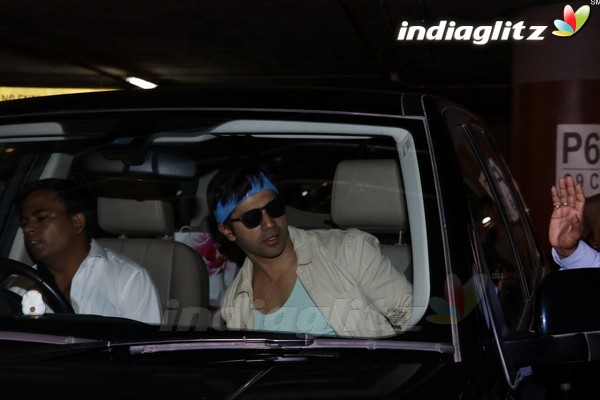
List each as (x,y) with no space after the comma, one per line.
(7,167)
(164,171)
(519,226)
(11,155)
(8,164)
(493,213)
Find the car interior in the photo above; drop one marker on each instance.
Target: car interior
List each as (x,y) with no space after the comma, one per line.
(153,187)
(144,231)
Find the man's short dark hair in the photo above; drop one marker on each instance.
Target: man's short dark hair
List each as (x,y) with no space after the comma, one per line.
(76,197)
(233,182)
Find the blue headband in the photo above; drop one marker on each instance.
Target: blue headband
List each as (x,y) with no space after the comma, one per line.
(223,211)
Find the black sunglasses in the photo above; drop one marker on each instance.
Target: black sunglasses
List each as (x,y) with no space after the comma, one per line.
(253,218)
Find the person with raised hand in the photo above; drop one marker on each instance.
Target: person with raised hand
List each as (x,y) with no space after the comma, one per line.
(566,227)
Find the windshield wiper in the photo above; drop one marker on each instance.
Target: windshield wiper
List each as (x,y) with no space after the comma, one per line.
(70,345)
(32,337)
(245,343)
(46,346)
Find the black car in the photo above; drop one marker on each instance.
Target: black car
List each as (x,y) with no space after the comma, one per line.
(419,172)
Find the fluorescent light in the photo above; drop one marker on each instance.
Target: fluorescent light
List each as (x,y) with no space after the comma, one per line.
(140,82)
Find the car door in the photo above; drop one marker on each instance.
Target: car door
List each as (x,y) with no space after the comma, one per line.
(508,259)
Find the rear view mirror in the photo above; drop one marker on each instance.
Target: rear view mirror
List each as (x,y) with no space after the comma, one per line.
(153,164)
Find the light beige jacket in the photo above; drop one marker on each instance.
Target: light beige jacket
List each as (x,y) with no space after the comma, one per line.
(354,285)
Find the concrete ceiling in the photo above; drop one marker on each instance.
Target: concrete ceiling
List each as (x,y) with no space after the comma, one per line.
(97,43)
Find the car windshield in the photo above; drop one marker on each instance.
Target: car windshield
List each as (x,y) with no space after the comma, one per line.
(141,167)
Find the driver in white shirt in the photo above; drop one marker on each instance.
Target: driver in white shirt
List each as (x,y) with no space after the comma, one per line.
(58,228)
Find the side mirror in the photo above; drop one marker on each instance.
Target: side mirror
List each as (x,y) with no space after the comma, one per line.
(568,301)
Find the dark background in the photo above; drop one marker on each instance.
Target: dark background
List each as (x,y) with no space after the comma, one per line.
(97,43)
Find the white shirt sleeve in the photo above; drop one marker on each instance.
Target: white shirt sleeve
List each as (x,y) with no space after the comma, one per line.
(583,257)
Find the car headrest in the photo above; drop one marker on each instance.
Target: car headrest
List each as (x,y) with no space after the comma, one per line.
(367,194)
(135,218)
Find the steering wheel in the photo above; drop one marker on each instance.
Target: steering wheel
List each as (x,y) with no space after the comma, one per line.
(55,298)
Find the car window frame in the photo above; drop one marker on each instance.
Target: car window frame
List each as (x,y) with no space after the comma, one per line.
(57,167)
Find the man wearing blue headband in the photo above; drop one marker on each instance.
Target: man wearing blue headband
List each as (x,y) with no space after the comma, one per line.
(320,282)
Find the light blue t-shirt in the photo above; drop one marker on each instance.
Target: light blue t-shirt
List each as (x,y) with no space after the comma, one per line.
(299,314)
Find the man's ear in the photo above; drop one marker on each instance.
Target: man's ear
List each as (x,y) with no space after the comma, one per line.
(227,232)
(79,222)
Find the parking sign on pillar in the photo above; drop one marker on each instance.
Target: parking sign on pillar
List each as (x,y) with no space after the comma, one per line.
(578,155)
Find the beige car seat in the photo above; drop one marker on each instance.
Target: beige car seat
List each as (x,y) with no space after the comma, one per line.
(368,195)
(179,273)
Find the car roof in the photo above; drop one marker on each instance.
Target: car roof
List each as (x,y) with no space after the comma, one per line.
(248,98)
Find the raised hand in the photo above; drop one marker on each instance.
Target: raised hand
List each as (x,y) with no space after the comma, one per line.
(566,221)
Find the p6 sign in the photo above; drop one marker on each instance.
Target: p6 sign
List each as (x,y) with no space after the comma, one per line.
(578,155)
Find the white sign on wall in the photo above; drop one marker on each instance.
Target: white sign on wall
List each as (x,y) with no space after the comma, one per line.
(578,155)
